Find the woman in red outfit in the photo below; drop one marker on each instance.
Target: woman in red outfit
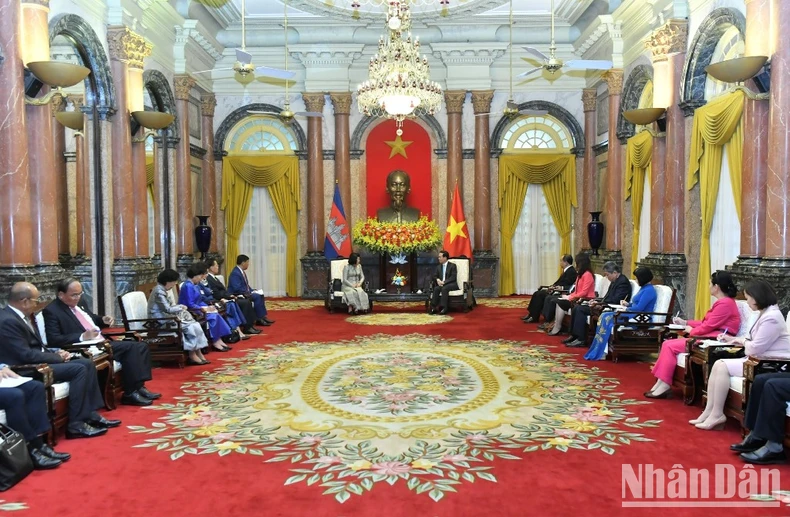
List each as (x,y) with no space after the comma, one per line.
(585,288)
(723,317)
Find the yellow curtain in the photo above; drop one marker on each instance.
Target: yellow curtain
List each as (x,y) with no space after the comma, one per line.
(717,126)
(638,156)
(557,174)
(149,174)
(280,174)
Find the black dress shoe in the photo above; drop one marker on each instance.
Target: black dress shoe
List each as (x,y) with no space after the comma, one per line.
(764,457)
(267,320)
(667,394)
(84,431)
(528,319)
(251,330)
(443,311)
(135,399)
(245,337)
(576,343)
(263,323)
(568,340)
(103,423)
(55,455)
(43,462)
(748,445)
(149,394)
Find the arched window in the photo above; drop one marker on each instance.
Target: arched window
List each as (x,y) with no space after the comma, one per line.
(263,237)
(730,46)
(536,242)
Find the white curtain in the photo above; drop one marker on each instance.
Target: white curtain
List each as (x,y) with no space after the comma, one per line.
(725,235)
(644,222)
(536,244)
(263,239)
(151,226)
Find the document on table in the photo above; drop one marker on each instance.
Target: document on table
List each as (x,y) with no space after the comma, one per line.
(13,383)
(94,341)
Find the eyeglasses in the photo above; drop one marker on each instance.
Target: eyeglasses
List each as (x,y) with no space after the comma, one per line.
(75,295)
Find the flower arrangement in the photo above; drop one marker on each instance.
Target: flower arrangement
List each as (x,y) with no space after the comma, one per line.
(399,279)
(383,237)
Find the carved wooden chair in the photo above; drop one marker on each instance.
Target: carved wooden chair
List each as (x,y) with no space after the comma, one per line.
(464,296)
(642,334)
(334,294)
(43,373)
(164,336)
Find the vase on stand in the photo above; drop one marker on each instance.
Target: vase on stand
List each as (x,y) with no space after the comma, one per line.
(595,232)
(203,235)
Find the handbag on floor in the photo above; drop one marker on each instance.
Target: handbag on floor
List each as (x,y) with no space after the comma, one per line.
(15,461)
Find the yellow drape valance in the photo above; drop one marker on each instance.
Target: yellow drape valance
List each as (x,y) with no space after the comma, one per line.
(638,157)
(280,174)
(717,126)
(557,174)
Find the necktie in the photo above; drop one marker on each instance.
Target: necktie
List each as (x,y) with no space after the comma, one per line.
(444,270)
(245,280)
(86,325)
(32,324)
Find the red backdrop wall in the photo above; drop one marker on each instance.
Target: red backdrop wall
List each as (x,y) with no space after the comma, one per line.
(417,165)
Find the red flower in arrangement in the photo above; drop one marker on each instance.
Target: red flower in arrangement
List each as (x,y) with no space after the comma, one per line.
(386,237)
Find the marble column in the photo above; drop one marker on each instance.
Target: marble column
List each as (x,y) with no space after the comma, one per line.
(454,102)
(675,185)
(16,249)
(589,184)
(34,31)
(61,178)
(315,174)
(184,214)
(614,171)
(82,187)
(342,106)
(138,51)
(208,102)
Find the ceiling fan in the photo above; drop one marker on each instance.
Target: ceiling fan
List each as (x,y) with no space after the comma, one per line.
(244,66)
(286,114)
(552,64)
(511,107)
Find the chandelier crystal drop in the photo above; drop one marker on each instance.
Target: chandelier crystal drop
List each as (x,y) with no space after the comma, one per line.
(399,84)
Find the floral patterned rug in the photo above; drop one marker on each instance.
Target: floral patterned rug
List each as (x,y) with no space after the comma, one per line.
(292,305)
(399,319)
(430,412)
(509,302)
(11,507)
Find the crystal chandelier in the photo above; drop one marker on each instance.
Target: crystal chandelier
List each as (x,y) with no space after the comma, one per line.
(400,85)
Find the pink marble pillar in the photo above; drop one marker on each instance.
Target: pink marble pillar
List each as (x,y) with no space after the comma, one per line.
(481,102)
(315,174)
(15,222)
(341,101)
(614,169)
(209,180)
(454,102)
(140,201)
(183,189)
(158,171)
(83,197)
(61,180)
(43,179)
(589,185)
(777,233)
(675,163)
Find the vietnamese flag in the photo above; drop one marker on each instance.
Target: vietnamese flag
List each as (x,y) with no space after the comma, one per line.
(338,238)
(456,239)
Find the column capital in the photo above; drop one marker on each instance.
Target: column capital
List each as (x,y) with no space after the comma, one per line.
(208,102)
(125,45)
(481,101)
(341,102)
(314,101)
(58,104)
(454,100)
(182,85)
(670,38)
(590,99)
(78,101)
(614,81)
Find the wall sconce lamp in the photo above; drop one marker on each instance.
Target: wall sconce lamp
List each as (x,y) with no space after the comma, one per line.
(646,116)
(57,75)
(152,121)
(71,119)
(738,71)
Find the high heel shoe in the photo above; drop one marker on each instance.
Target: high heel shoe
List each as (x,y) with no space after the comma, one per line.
(716,425)
(698,420)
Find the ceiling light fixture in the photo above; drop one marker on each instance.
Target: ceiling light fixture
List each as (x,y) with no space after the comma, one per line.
(399,84)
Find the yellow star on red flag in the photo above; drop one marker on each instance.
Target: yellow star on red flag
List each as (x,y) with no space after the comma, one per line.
(456,237)
(398,146)
(455,228)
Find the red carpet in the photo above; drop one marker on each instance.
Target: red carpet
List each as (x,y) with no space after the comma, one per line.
(109,475)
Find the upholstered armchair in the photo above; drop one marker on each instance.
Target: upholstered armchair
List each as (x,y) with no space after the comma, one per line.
(163,335)
(334,293)
(643,333)
(464,296)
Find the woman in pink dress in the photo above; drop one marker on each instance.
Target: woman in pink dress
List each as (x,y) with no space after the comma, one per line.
(768,337)
(722,318)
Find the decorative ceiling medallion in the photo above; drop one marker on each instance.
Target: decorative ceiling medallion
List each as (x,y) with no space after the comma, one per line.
(369,10)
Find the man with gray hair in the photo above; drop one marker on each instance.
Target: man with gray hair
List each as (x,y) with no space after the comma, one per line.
(22,344)
(619,290)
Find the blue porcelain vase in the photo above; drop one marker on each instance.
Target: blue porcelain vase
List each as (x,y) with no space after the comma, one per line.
(203,235)
(595,232)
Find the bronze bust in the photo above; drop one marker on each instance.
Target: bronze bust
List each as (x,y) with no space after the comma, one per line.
(398,186)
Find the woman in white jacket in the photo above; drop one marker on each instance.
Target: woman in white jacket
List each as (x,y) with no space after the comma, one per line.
(768,337)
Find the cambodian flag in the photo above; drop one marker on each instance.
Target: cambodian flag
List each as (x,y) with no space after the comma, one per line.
(338,236)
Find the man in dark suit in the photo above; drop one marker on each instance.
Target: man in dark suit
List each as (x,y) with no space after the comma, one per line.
(25,409)
(68,321)
(220,292)
(21,344)
(765,418)
(619,290)
(240,286)
(446,280)
(563,283)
